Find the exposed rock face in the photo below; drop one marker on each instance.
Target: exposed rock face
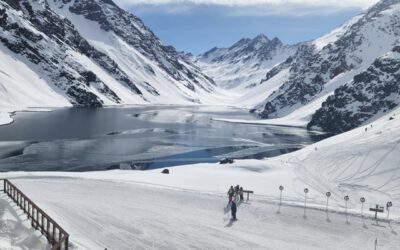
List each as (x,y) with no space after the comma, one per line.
(375,90)
(318,64)
(135,33)
(244,63)
(40,34)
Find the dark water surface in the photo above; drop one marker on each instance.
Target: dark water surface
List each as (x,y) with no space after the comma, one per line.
(84,139)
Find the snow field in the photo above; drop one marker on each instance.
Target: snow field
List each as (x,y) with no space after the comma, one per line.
(185,210)
(16,232)
(126,215)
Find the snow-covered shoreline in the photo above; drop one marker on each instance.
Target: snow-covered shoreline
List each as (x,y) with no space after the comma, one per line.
(6,117)
(359,163)
(271,122)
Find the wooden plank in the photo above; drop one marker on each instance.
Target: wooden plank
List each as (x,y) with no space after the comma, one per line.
(248,191)
(37,216)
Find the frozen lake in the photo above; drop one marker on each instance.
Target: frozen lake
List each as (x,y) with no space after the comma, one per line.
(85,139)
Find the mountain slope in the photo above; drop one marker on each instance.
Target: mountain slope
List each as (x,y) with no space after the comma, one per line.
(245,63)
(321,66)
(89,53)
(372,92)
(357,164)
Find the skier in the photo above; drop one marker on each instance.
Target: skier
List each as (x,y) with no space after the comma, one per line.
(241,193)
(233,210)
(237,192)
(230,194)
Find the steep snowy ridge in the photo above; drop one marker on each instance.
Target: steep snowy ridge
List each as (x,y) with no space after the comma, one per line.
(244,64)
(319,67)
(89,53)
(372,93)
(112,19)
(47,44)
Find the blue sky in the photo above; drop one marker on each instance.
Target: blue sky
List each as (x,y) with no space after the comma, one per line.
(199,26)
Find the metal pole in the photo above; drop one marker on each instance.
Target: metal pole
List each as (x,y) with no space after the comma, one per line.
(280,198)
(346,198)
(362,208)
(362,199)
(327,203)
(388,206)
(328,195)
(305,200)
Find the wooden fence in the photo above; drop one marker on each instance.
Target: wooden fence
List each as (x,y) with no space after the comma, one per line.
(57,236)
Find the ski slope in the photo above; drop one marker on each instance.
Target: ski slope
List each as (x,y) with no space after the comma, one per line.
(127,215)
(187,209)
(15,230)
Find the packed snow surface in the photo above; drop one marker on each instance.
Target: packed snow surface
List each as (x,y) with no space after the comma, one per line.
(187,209)
(16,232)
(122,215)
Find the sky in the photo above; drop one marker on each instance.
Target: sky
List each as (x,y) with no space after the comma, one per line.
(197,26)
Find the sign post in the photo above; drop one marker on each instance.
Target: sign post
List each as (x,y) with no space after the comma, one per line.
(305,200)
(280,198)
(377,210)
(328,195)
(362,200)
(388,205)
(346,198)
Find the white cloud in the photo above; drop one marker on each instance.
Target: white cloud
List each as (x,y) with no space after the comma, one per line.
(338,4)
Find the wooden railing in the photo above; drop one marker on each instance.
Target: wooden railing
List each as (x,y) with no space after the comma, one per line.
(57,236)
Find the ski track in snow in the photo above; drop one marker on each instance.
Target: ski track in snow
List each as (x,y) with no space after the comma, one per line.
(185,210)
(117,215)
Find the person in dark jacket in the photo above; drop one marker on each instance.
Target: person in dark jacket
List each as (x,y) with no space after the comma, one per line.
(241,193)
(231,192)
(233,210)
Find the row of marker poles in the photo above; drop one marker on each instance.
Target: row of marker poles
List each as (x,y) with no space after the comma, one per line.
(328,195)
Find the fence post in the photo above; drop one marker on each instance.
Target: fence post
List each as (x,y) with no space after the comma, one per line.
(39,219)
(66,242)
(54,233)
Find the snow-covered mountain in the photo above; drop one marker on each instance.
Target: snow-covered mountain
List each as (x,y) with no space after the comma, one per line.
(245,63)
(371,93)
(91,53)
(320,67)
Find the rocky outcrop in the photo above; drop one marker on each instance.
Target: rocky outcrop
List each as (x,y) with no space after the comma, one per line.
(246,62)
(355,46)
(371,93)
(42,36)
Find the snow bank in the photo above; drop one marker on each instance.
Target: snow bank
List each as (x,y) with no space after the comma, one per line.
(125,215)
(16,232)
(5,118)
(17,83)
(187,208)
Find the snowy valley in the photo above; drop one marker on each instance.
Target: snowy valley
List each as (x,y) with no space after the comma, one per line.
(90,97)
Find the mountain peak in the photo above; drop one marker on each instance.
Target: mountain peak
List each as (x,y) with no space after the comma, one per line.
(383,5)
(262,42)
(261,38)
(240,43)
